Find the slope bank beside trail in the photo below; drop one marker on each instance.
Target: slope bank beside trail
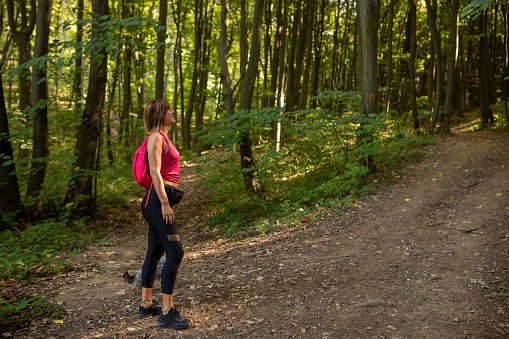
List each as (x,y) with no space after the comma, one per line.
(425,258)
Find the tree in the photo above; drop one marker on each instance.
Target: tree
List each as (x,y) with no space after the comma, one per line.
(412,17)
(246,154)
(80,186)
(40,97)
(368,14)
(10,199)
(77,83)
(223,59)
(22,38)
(451,73)
(387,104)
(198,30)
(435,39)
(161,50)
(487,118)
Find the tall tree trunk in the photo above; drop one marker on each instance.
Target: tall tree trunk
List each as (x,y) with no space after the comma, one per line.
(403,95)
(451,73)
(293,60)
(208,18)
(411,63)
(243,38)
(198,30)
(388,93)
(80,186)
(22,38)
(351,82)
(128,12)
(318,52)
(281,72)
(177,59)
(161,50)
(335,48)
(309,52)
(77,93)
(505,85)
(484,76)
(435,38)
(246,155)
(276,52)
(109,107)
(223,59)
(343,65)
(10,199)
(368,14)
(40,95)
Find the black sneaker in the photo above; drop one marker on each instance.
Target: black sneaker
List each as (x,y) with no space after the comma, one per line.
(151,311)
(172,319)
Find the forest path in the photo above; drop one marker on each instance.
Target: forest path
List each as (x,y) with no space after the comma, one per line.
(425,258)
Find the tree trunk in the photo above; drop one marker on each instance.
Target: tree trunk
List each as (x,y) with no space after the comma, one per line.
(198,29)
(368,14)
(161,50)
(80,186)
(10,199)
(22,39)
(128,12)
(177,66)
(318,53)
(411,64)
(451,73)
(274,62)
(505,85)
(243,38)
(77,93)
(309,52)
(109,107)
(487,118)
(40,95)
(208,18)
(435,38)
(246,155)
(388,92)
(223,59)
(352,82)
(335,49)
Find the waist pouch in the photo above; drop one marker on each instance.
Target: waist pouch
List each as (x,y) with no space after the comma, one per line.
(173,193)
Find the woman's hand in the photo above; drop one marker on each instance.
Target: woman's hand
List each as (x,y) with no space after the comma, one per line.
(168,216)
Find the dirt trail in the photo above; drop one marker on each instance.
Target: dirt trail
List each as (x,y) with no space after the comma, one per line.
(426,258)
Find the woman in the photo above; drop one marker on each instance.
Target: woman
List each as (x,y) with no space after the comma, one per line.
(163,235)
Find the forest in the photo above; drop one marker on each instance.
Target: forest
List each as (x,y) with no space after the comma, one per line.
(287,107)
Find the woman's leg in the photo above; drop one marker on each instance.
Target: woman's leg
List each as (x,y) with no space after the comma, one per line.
(174,252)
(162,237)
(154,253)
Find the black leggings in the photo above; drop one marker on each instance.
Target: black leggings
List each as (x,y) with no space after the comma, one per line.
(158,243)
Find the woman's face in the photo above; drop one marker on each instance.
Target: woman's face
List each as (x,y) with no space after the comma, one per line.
(169,119)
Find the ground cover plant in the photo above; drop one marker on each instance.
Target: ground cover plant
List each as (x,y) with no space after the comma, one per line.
(315,168)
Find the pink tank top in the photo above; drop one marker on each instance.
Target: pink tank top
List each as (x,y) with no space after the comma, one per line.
(170,164)
(170,161)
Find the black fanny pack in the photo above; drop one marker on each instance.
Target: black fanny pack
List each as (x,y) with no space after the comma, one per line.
(173,193)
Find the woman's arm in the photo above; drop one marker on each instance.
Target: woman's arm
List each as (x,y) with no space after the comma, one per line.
(154,151)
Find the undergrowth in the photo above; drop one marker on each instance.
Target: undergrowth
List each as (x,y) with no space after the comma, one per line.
(39,250)
(315,169)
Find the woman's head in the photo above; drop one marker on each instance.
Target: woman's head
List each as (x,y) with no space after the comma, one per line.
(154,115)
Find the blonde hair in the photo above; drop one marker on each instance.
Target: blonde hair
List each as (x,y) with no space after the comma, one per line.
(154,114)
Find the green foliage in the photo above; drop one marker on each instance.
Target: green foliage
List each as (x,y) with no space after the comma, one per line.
(476,7)
(36,251)
(16,312)
(314,169)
